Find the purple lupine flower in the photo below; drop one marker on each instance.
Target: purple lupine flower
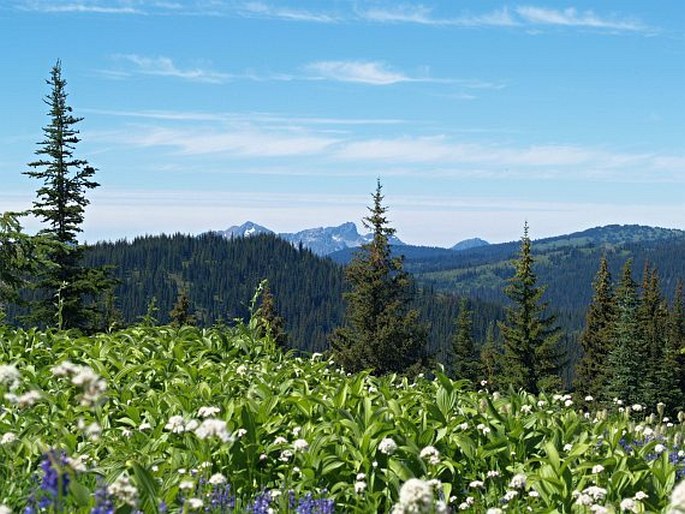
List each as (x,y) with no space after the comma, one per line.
(103,500)
(53,478)
(261,503)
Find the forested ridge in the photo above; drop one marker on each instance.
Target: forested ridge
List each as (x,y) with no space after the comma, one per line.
(221,275)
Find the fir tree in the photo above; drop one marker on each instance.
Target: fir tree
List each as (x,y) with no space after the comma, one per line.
(591,372)
(677,338)
(17,259)
(660,383)
(381,331)
(270,323)
(466,361)
(491,358)
(181,315)
(60,204)
(532,357)
(628,358)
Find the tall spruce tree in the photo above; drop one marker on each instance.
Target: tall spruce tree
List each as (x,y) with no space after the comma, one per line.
(532,357)
(592,372)
(270,323)
(677,338)
(661,383)
(60,204)
(381,331)
(628,356)
(466,357)
(181,314)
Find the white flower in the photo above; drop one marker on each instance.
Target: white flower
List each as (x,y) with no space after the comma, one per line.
(186,485)
(195,503)
(596,493)
(296,431)
(217,479)
(9,375)
(191,425)
(526,409)
(285,456)
(280,440)
(387,446)
(359,486)
(8,438)
(482,428)
(568,447)
(533,493)
(213,428)
(431,454)
(241,370)
(124,490)
(240,432)
(492,473)
(476,484)
(659,448)
(648,432)
(640,495)
(494,510)
(176,425)
(597,468)
(27,399)
(206,412)
(568,403)
(416,496)
(300,445)
(629,505)
(636,407)
(677,504)
(518,481)
(510,495)
(598,509)
(144,426)
(4,509)
(589,398)
(463,426)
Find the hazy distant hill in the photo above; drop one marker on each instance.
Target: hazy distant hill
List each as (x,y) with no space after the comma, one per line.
(565,264)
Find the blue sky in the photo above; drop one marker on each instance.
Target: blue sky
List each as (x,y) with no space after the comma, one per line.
(476,115)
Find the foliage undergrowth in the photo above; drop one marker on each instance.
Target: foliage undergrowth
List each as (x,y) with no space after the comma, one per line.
(156,419)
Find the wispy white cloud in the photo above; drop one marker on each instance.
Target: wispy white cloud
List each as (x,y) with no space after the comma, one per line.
(240,142)
(571,17)
(525,16)
(423,15)
(59,6)
(366,72)
(165,67)
(262,9)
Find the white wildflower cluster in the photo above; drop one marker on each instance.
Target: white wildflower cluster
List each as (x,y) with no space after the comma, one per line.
(360,484)
(418,497)
(590,497)
(677,505)
(467,503)
(518,481)
(176,425)
(431,455)
(8,438)
(300,445)
(217,479)
(91,384)
(632,504)
(195,503)
(9,376)
(4,509)
(485,430)
(124,490)
(28,399)
(208,412)
(526,409)
(387,446)
(214,428)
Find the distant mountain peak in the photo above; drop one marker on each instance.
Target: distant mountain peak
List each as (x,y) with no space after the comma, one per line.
(247,229)
(467,244)
(320,240)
